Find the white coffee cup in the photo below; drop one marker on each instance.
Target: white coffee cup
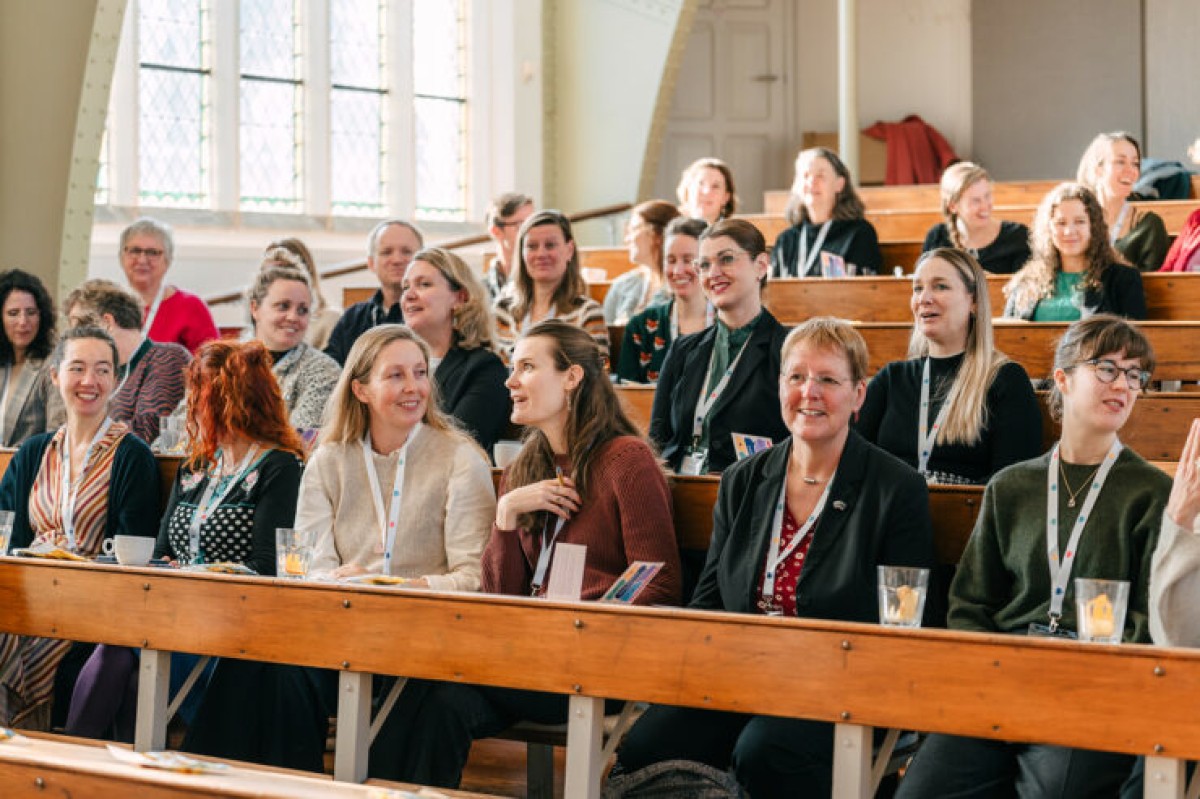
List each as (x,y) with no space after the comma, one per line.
(505,452)
(130,550)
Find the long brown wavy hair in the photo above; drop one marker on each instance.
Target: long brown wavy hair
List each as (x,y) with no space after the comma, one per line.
(232,391)
(571,291)
(1035,281)
(594,415)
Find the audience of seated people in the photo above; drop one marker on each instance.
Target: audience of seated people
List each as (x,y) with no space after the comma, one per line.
(548,284)
(827,223)
(445,304)
(1110,167)
(958,411)
(648,335)
(435,370)
(645,284)
(1000,246)
(1074,271)
(149,374)
(390,249)
(720,382)
(147,250)
(505,216)
(583,476)
(30,404)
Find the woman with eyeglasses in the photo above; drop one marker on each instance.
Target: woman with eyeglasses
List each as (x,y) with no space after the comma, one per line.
(645,284)
(1091,507)
(1074,271)
(957,410)
(29,405)
(172,314)
(798,531)
(719,383)
(649,335)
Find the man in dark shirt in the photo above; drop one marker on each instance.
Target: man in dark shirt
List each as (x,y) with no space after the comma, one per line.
(390,249)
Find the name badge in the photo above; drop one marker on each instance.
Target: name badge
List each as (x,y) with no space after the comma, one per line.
(695,462)
(1045,631)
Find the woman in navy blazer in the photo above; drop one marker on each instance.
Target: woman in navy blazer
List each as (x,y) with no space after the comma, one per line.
(733,269)
(841,507)
(445,304)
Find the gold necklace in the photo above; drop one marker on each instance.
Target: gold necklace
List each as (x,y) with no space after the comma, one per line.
(1072,494)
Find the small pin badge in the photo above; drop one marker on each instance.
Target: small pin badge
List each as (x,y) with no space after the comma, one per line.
(839,505)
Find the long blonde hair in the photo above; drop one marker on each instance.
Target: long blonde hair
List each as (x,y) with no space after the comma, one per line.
(347,419)
(955,181)
(966,403)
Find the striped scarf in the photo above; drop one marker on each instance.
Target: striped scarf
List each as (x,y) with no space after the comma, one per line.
(28,664)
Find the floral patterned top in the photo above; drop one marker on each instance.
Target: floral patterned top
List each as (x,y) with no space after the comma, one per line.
(242,527)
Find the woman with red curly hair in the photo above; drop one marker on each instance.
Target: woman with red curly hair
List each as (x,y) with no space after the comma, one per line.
(239,483)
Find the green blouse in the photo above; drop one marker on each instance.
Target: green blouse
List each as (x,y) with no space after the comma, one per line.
(1063,305)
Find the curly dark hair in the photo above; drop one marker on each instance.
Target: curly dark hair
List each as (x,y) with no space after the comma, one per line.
(43,343)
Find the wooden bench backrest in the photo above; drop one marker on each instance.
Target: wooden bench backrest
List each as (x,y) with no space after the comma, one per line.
(1156,430)
(925,196)
(912,225)
(1169,297)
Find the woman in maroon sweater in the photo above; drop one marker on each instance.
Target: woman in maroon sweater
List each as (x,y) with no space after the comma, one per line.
(611,497)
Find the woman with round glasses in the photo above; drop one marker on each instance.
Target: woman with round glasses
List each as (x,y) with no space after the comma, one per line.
(957,410)
(1091,507)
(1074,271)
(720,383)
(841,507)
(172,314)
(648,335)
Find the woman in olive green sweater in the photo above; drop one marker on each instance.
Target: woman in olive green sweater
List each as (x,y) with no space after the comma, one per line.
(1103,523)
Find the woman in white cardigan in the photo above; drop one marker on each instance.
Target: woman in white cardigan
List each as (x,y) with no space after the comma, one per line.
(394,488)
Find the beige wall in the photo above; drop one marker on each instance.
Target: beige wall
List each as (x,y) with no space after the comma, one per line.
(914,57)
(44,46)
(1172,77)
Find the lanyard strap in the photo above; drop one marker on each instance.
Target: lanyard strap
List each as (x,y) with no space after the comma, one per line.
(774,556)
(543,561)
(1060,573)
(710,314)
(1115,231)
(209,503)
(70,488)
(153,312)
(709,399)
(387,520)
(129,366)
(807,259)
(926,435)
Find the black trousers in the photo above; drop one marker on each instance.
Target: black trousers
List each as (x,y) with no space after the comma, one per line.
(770,757)
(953,767)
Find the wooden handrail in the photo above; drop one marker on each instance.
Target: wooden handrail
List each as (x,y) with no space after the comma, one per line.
(360,265)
